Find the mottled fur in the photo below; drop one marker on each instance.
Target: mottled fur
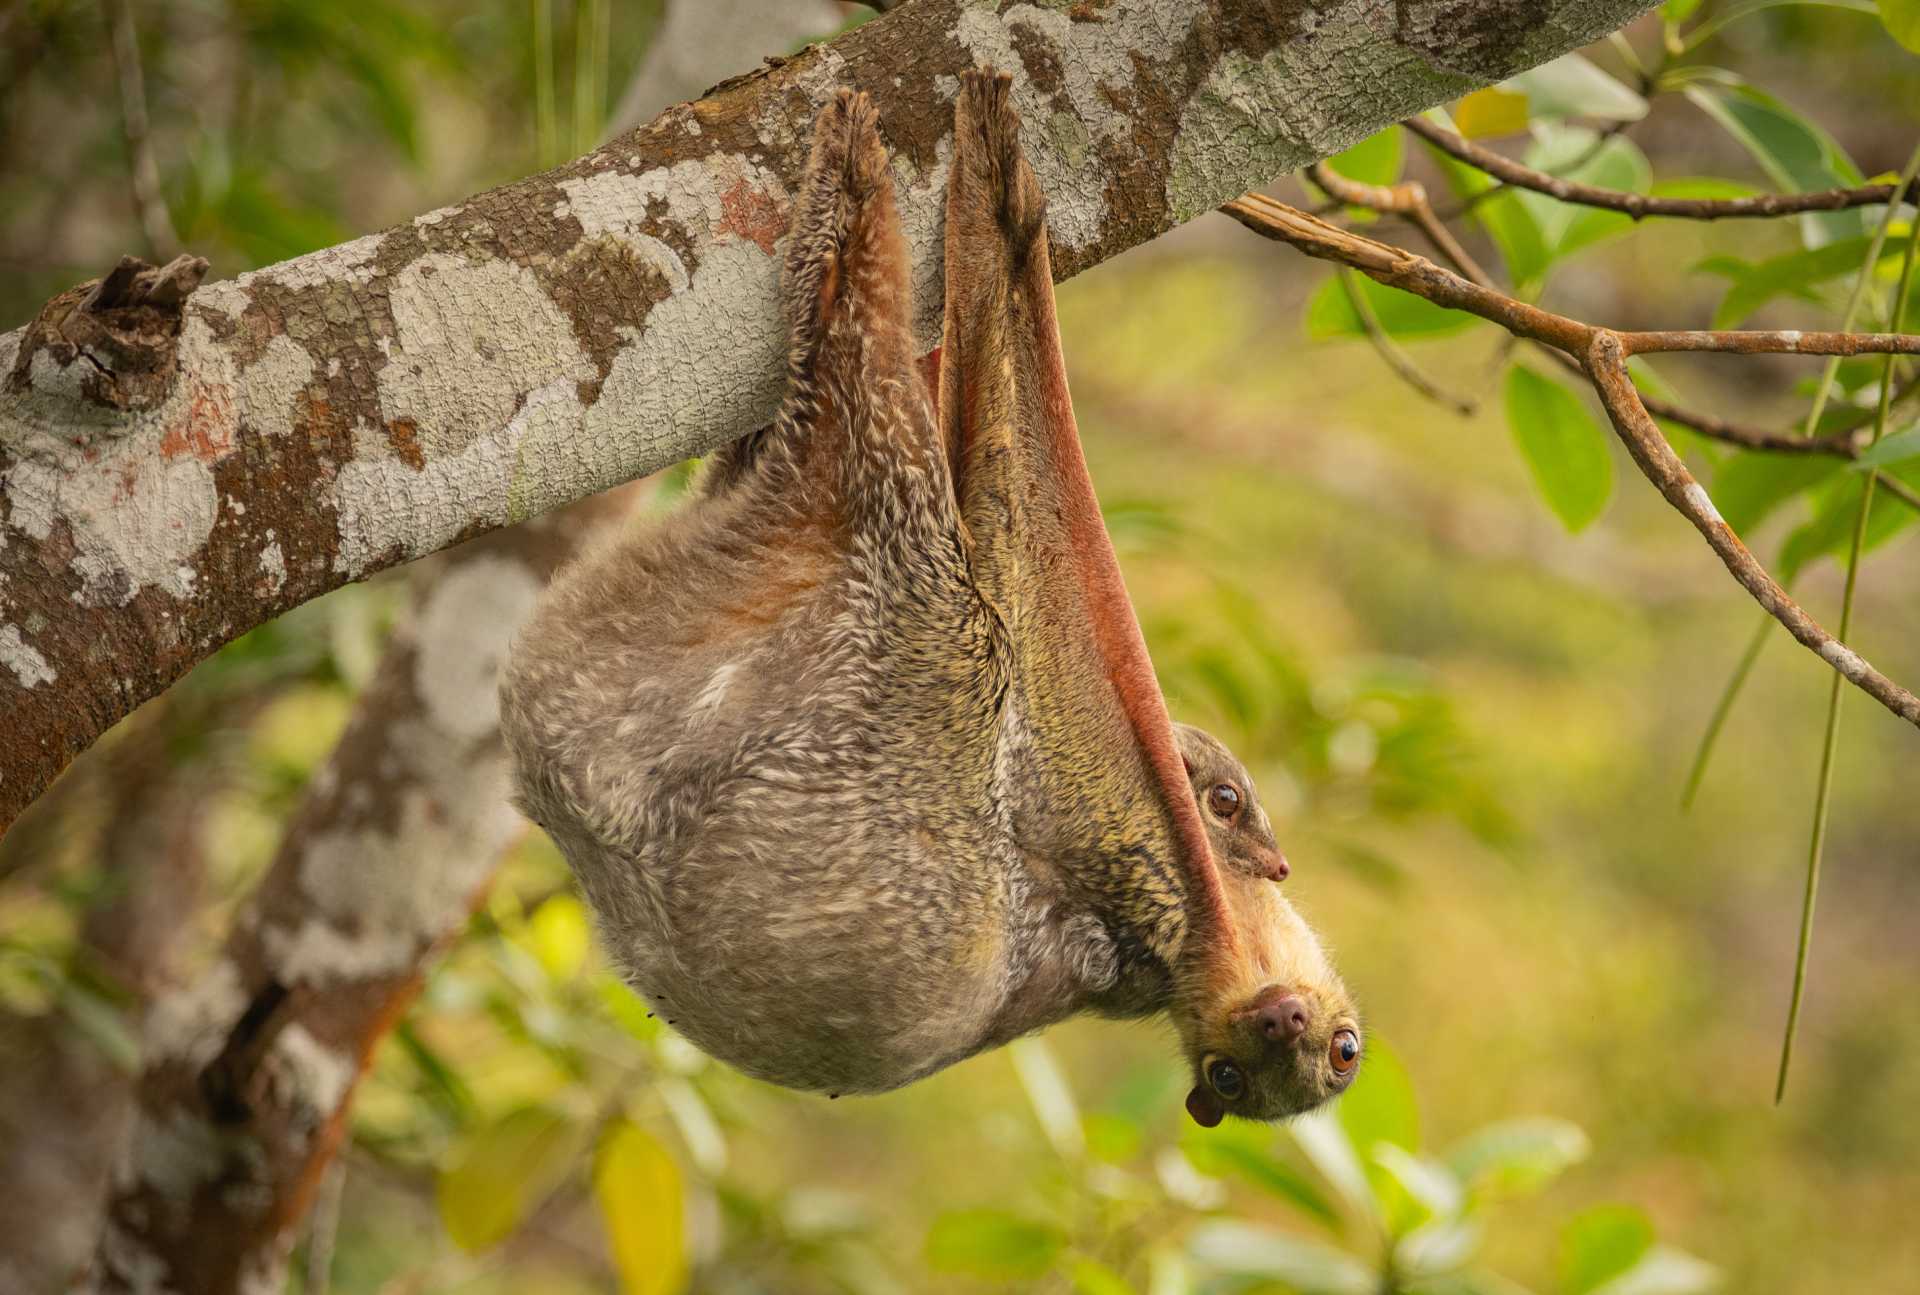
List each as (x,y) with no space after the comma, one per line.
(829,749)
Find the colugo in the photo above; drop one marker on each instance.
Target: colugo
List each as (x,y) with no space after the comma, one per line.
(859,757)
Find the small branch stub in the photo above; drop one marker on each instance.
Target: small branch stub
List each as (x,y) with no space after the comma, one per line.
(125,327)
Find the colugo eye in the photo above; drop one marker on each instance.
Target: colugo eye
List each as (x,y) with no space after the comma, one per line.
(1343,1051)
(1226,1079)
(1224,799)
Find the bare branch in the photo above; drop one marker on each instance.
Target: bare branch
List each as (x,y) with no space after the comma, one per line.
(1408,200)
(1603,355)
(372,403)
(1641,205)
(143,172)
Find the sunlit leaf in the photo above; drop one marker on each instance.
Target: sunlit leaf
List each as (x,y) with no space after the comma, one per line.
(1441,1246)
(1679,10)
(1425,1180)
(502,1172)
(1305,1266)
(560,936)
(1490,112)
(1380,1106)
(1330,314)
(1091,1277)
(1049,1094)
(643,1208)
(1374,160)
(1244,1151)
(1320,1135)
(1902,21)
(1518,1156)
(1564,446)
(1600,1244)
(1664,1271)
(1571,86)
(1111,1137)
(992,1244)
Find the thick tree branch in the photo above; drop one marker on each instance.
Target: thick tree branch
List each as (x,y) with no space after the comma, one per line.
(377,401)
(250,1071)
(1641,205)
(1603,355)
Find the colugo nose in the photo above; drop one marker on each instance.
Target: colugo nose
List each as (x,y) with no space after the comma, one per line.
(1283,1019)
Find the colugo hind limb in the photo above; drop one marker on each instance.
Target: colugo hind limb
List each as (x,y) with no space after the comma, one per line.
(859,757)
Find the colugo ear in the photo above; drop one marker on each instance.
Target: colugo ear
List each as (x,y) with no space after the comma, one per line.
(1205,1107)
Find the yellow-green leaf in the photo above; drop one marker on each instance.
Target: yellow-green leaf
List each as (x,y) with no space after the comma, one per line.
(1374,160)
(559,935)
(501,1172)
(1902,19)
(642,1202)
(1491,111)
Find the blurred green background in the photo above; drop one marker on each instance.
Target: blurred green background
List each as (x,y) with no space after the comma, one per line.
(1470,725)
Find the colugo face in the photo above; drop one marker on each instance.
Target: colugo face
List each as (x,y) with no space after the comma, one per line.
(1271,1031)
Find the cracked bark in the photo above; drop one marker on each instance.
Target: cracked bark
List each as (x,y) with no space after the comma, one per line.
(250,1072)
(375,402)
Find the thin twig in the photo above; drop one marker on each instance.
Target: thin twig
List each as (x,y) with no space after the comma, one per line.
(1603,354)
(1641,205)
(1823,796)
(1408,200)
(1390,353)
(143,173)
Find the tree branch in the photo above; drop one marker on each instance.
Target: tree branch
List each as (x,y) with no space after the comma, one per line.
(250,1071)
(1641,205)
(369,404)
(1408,201)
(1603,354)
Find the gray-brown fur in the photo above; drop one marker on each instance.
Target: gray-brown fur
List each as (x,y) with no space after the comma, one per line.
(840,779)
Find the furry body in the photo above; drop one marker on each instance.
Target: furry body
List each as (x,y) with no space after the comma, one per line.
(840,752)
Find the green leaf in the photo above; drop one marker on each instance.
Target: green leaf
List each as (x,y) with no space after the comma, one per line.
(1902,20)
(1795,154)
(1425,1181)
(1576,153)
(1509,221)
(1380,1105)
(1664,1271)
(1570,86)
(1830,532)
(1327,1145)
(1374,160)
(1516,1157)
(559,936)
(1701,186)
(1678,11)
(992,1244)
(1601,1244)
(1749,486)
(1305,1266)
(1563,446)
(1795,273)
(1241,1150)
(502,1172)
(1442,1246)
(1897,448)
(1091,1277)
(1331,315)
(643,1208)
(1489,112)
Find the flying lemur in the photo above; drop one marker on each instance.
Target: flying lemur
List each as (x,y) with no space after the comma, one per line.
(859,757)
